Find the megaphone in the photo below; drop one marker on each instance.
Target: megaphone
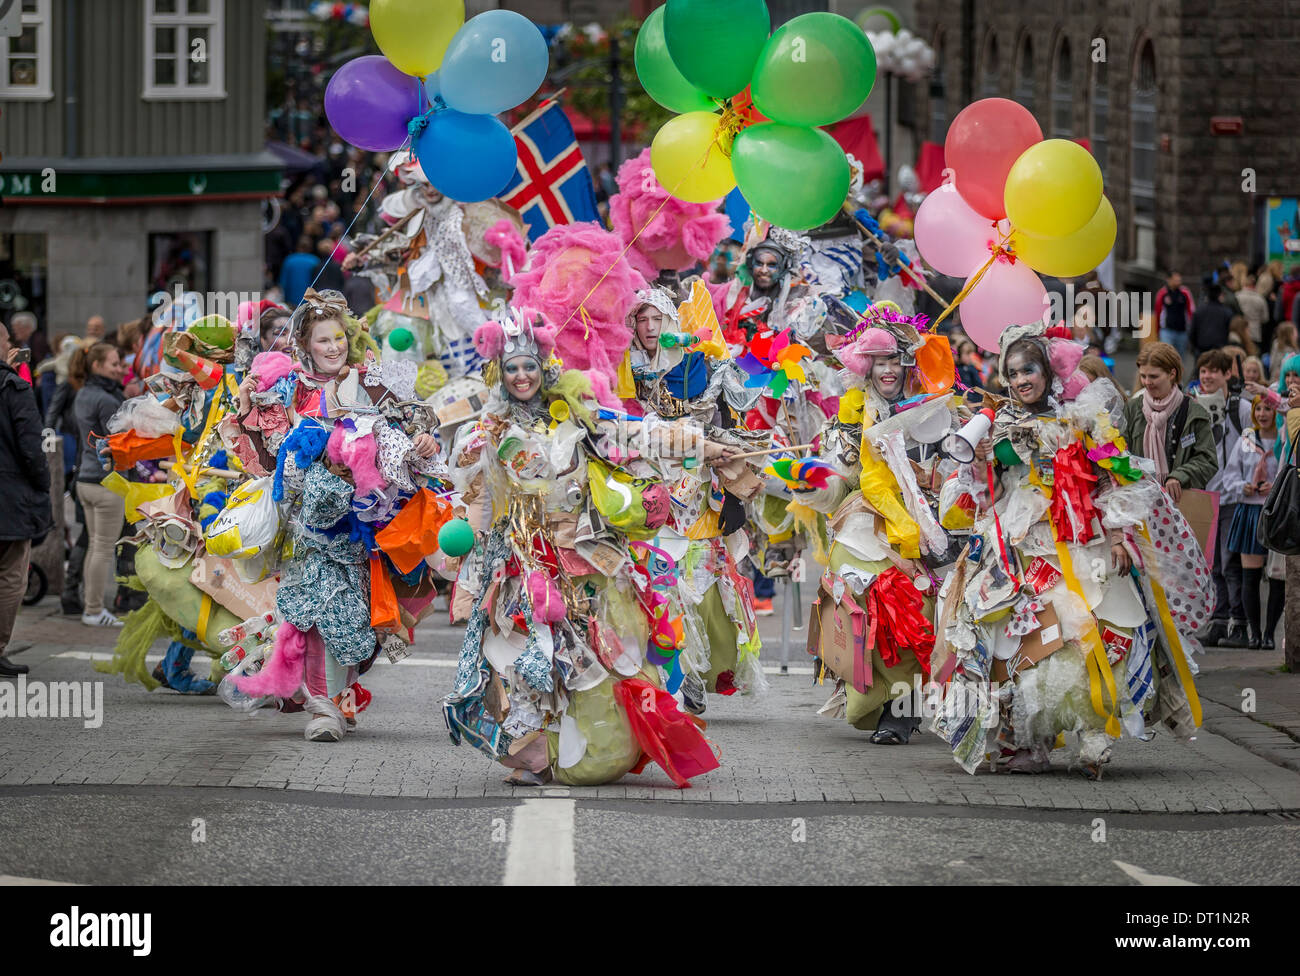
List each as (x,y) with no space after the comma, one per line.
(960,446)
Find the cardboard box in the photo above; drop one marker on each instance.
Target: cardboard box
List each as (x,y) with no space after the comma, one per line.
(838,635)
(1034,647)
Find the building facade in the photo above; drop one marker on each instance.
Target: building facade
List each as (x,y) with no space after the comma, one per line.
(1189,108)
(131,155)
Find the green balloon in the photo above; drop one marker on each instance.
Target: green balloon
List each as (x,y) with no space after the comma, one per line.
(401,339)
(791,176)
(814,70)
(715,43)
(659,76)
(456,538)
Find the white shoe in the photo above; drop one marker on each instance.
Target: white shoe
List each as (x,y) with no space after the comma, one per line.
(102,619)
(328,725)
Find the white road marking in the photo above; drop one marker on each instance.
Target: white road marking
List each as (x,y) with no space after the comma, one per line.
(9,880)
(1146,878)
(541,843)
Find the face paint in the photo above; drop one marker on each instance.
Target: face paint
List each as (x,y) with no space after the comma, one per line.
(887,377)
(766,265)
(328,347)
(522,377)
(1026,379)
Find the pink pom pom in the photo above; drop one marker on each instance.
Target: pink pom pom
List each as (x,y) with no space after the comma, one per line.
(270,368)
(358,456)
(489,340)
(514,251)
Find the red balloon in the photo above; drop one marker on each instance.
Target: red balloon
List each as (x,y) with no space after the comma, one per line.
(984,141)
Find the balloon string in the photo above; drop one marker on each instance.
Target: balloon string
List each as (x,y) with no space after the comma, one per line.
(581,307)
(1000,249)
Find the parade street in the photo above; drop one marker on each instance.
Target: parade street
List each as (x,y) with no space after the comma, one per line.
(173,789)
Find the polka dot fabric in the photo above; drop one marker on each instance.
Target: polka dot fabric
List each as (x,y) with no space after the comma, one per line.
(1180,567)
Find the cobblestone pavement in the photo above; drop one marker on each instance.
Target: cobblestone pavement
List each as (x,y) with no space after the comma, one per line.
(774,747)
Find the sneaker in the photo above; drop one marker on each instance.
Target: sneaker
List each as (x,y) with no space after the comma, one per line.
(324,728)
(102,619)
(763,608)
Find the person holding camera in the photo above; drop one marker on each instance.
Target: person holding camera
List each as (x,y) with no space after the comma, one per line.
(26,516)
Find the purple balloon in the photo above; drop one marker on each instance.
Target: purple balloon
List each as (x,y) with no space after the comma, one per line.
(369,102)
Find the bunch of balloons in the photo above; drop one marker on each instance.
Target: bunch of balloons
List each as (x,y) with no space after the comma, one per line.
(440,83)
(751,104)
(902,53)
(1013,204)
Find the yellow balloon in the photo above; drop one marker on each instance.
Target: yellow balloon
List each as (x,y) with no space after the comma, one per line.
(414,34)
(1053,189)
(688,160)
(1073,255)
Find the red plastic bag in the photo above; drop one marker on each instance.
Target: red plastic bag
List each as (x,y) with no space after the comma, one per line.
(665,735)
(413,532)
(128,447)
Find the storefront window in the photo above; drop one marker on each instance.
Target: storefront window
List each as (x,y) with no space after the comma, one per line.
(23,276)
(180,259)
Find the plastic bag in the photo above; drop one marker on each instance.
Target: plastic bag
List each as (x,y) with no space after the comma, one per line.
(384,614)
(249,523)
(413,533)
(146,416)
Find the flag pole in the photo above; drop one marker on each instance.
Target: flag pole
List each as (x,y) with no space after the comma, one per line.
(531,116)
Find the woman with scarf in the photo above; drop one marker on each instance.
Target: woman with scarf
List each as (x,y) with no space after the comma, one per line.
(345,447)
(1165,425)
(873,627)
(572,638)
(1074,606)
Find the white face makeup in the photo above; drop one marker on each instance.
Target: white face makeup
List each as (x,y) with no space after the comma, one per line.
(1026,379)
(765,268)
(523,377)
(328,347)
(887,376)
(649,322)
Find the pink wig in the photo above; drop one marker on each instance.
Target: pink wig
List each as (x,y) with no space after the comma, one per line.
(503,236)
(490,337)
(858,355)
(284,672)
(676,234)
(576,268)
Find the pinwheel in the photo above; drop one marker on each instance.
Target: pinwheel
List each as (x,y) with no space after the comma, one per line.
(808,474)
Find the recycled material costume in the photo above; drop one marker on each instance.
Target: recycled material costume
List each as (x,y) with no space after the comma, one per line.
(557,678)
(872,626)
(681,369)
(1074,605)
(342,458)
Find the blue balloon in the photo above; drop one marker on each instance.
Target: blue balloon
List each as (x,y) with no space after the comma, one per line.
(432,86)
(496,61)
(737,208)
(467,157)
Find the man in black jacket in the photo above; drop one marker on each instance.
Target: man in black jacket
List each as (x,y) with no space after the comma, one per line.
(1209,328)
(25,486)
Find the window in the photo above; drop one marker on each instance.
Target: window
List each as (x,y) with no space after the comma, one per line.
(1099,109)
(180,260)
(1025,92)
(23,275)
(989,86)
(26,66)
(1143,175)
(938,97)
(1062,94)
(184,50)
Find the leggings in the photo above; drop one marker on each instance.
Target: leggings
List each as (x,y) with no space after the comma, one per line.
(104,513)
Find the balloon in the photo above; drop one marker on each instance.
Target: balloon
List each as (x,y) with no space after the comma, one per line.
(497,60)
(792,176)
(432,87)
(456,538)
(984,142)
(716,43)
(659,76)
(687,160)
(369,102)
(1053,189)
(1073,255)
(467,157)
(414,34)
(814,70)
(951,236)
(737,212)
(1008,294)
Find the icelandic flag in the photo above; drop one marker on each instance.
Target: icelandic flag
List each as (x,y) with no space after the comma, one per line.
(552,184)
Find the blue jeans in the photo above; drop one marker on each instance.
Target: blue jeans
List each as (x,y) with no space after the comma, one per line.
(1176,338)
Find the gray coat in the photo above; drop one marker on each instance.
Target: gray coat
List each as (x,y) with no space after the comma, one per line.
(97,401)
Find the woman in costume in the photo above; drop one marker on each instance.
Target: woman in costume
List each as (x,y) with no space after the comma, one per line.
(1073,606)
(686,374)
(342,447)
(570,638)
(873,624)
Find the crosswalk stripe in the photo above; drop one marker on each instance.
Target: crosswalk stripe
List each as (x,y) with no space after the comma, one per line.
(541,843)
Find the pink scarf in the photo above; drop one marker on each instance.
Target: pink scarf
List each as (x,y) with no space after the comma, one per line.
(1157,413)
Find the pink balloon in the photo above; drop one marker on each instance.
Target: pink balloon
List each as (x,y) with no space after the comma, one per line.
(1008,294)
(984,141)
(950,235)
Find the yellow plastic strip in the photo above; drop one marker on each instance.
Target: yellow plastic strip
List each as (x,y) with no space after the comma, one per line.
(1094,650)
(1176,643)
(205,616)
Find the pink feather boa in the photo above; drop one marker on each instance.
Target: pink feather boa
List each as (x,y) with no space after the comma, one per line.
(677,236)
(565,269)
